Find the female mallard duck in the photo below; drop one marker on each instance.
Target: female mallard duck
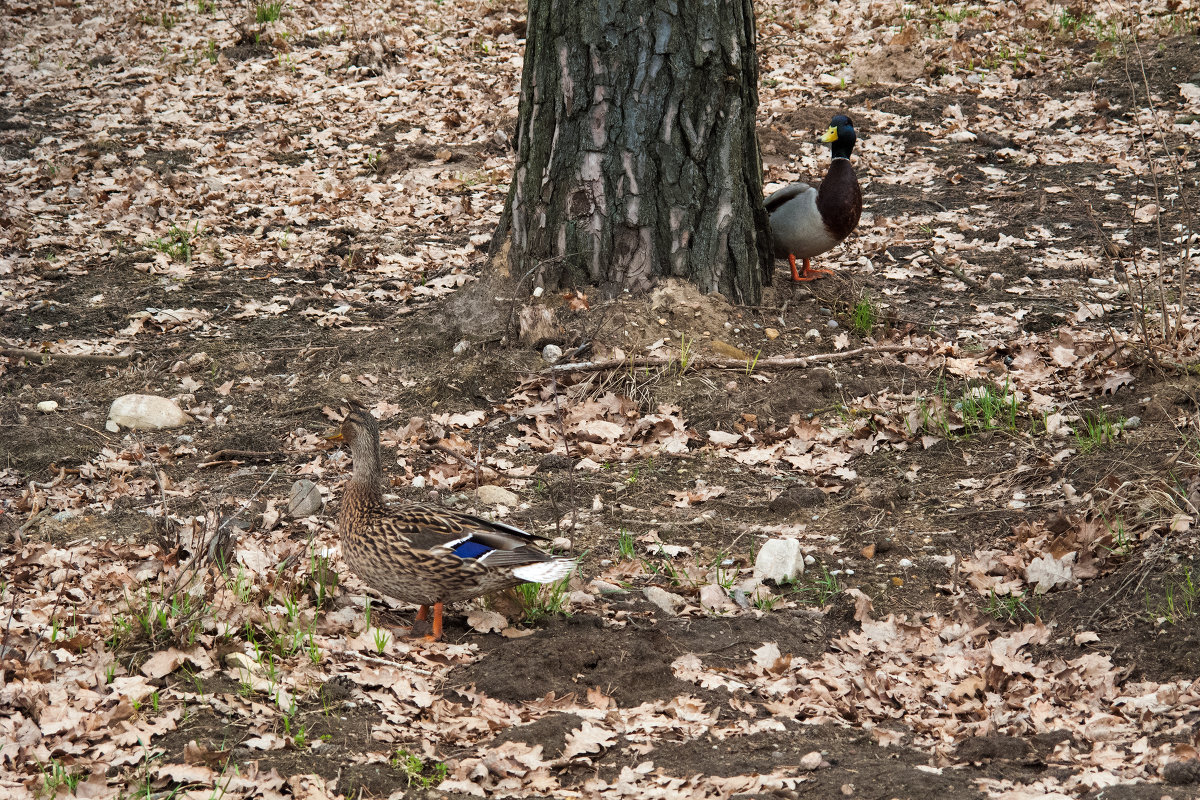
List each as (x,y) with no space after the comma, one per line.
(806,222)
(424,555)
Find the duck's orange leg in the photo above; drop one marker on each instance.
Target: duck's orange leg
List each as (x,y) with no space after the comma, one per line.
(792,261)
(422,613)
(809,273)
(437,623)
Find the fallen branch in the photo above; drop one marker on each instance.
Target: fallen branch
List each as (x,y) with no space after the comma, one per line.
(730,363)
(82,358)
(479,468)
(257,455)
(31,521)
(958,273)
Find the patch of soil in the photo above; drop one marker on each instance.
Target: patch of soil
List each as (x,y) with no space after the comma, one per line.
(344,731)
(850,758)
(632,665)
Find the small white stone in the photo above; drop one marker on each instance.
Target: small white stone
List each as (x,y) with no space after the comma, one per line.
(560,543)
(496,495)
(305,499)
(905,563)
(813,333)
(551,353)
(461,347)
(48,406)
(779,560)
(538,292)
(146,412)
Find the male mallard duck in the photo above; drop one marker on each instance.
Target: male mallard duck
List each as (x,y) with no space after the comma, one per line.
(806,222)
(423,555)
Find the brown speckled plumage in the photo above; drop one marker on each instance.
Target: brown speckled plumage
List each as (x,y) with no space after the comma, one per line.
(408,552)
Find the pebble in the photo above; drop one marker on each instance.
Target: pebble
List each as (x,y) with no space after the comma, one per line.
(551,353)
(560,543)
(146,412)
(813,333)
(905,563)
(461,347)
(604,587)
(779,560)
(496,495)
(833,323)
(771,333)
(1131,423)
(48,406)
(304,500)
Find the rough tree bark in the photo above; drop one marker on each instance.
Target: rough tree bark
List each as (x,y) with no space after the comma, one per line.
(636,148)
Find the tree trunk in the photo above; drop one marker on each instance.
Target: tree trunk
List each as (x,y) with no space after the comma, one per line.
(636,149)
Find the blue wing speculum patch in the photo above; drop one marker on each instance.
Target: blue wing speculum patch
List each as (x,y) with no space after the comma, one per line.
(471,549)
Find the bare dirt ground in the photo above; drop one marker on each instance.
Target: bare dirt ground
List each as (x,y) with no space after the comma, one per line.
(261,217)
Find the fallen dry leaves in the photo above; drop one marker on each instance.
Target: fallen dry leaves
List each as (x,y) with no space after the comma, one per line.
(355,146)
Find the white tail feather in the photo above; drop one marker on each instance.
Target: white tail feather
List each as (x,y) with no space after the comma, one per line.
(545,571)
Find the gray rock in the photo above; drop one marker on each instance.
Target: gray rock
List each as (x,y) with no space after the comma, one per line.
(496,496)
(1132,424)
(304,500)
(779,560)
(146,412)
(668,602)
(551,353)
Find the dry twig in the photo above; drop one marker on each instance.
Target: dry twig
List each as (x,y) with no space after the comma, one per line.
(80,358)
(802,362)
(941,264)
(467,460)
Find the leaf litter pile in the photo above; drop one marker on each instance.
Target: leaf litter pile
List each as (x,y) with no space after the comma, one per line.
(977,444)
